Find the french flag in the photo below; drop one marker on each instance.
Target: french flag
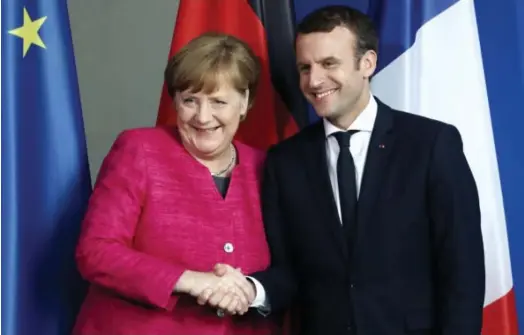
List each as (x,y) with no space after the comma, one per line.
(431,64)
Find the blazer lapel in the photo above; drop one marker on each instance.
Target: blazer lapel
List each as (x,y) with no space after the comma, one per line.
(380,147)
(322,190)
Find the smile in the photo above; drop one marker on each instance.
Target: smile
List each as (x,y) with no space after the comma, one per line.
(320,96)
(206,130)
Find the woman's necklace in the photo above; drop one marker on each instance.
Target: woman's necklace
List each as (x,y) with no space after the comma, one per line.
(229,166)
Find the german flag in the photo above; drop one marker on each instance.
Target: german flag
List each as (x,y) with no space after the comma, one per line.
(268,27)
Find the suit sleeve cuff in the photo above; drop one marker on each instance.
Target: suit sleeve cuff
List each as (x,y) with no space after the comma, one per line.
(260,302)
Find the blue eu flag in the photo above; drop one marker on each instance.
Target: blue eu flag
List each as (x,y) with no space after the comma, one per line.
(44,170)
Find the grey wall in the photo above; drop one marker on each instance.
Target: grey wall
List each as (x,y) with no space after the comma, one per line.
(121,48)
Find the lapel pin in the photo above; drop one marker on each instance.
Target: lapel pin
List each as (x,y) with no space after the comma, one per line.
(381,146)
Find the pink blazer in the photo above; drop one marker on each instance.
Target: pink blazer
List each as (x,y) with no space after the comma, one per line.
(155,212)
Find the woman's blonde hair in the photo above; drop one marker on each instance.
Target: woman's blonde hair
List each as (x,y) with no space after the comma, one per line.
(210,58)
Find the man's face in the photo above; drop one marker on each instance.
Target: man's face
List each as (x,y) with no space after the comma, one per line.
(331,79)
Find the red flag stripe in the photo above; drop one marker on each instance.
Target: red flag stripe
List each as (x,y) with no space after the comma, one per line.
(500,317)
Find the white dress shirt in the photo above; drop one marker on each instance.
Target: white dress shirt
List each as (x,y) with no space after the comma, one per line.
(359,144)
(358,147)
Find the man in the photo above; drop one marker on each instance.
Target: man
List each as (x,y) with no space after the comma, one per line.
(372,214)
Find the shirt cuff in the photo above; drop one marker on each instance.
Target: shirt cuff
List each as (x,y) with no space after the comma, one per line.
(260,302)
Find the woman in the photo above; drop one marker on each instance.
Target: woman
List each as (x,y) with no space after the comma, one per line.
(171,203)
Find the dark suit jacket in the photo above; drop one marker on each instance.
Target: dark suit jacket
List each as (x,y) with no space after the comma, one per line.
(418,262)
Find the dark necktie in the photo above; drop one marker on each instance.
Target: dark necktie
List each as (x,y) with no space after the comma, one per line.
(347,186)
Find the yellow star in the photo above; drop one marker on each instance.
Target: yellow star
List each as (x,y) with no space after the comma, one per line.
(29,32)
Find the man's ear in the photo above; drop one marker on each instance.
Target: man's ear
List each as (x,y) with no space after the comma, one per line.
(368,63)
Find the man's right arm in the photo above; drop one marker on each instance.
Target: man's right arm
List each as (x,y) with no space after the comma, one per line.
(278,281)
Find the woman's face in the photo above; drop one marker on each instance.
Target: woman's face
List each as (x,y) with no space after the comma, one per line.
(208,122)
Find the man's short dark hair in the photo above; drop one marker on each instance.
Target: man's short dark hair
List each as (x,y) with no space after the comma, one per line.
(327,18)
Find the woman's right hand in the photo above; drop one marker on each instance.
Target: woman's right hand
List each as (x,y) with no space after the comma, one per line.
(194,283)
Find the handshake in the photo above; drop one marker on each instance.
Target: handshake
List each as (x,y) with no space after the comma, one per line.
(225,288)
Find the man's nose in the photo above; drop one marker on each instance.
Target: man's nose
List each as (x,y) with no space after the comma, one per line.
(316,77)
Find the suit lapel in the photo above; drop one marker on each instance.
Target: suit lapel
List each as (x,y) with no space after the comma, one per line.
(380,147)
(319,178)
